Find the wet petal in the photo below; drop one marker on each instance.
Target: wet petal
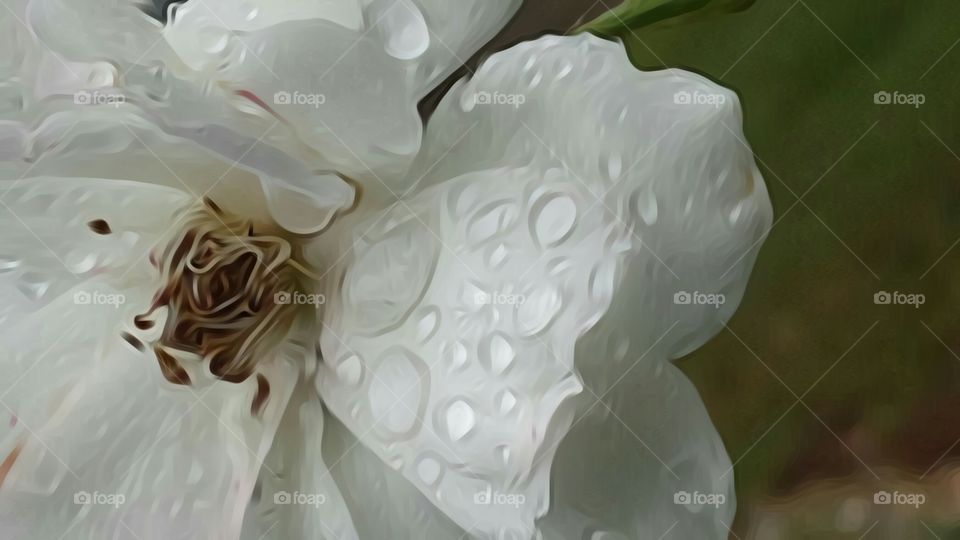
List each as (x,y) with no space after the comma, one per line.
(297,497)
(537,269)
(213,160)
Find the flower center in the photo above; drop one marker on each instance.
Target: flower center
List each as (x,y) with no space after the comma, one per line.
(225,285)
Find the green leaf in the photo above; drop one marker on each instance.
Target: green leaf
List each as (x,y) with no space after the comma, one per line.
(632,15)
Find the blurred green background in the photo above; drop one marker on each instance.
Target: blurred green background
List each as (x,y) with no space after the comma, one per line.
(867,199)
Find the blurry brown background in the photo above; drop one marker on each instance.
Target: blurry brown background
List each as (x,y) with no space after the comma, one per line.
(823,397)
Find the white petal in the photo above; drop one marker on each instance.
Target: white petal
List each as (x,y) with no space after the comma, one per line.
(337,89)
(473,315)
(250,15)
(436,36)
(333,82)
(298,497)
(382,502)
(48,247)
(101,446)
(623,474)
(90,31)
(436,362)
(677,179)
(209,160)
(347,88)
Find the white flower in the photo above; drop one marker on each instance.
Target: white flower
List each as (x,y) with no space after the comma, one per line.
(478,341)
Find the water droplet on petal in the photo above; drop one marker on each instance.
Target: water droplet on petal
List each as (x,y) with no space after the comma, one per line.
(214,39)
(647,207)
(79,262)
(614,166)
(506,401)
(498,353)
(428,470)
(496,256)
(460,419)
(195,474)
(503,453)
(538,310)
(491,221)
(407,34)
(735,213)
(428,324)
(8,263)
(455,353)
(554,219)
(33,285)
(350,370)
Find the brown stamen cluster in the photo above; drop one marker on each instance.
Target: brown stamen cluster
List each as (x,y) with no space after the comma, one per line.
(224,282)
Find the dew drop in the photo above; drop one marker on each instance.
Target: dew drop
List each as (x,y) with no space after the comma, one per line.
(647,207)
(8,264)
(350,370)
(735,213)
(80,262)
(455,354)
(214,39)
(497,256)
(503,453)
(614,166)
(428,470)
(506,402)
(538,310)
(33,285)
(499,354)
(460,419)
(428,325)
(554,219)
(407,33)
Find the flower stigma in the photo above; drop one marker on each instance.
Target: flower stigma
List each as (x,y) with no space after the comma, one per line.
(226,282)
